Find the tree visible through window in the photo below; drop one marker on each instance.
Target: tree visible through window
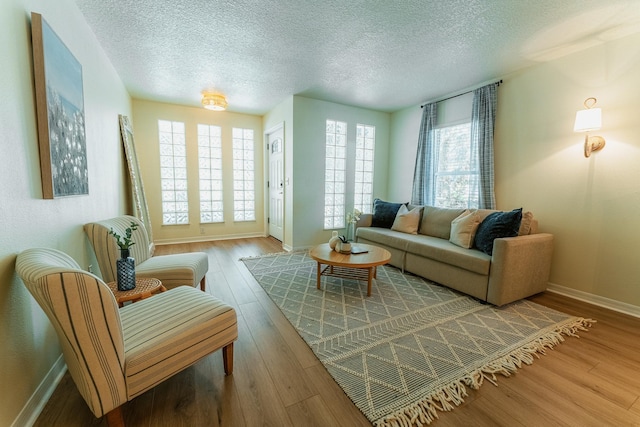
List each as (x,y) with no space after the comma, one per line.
(456,170)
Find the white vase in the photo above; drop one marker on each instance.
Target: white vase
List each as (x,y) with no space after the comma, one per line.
(333,241)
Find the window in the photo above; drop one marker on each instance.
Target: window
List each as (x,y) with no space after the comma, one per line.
(365,145)
(244,206)
(334,177)
(173,173)
(456,170)
(210,167)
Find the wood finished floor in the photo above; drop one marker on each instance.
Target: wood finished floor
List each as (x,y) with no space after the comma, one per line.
(277,380)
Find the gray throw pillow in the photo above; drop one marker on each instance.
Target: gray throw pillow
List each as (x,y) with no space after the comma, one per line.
(495,226)
(384,213)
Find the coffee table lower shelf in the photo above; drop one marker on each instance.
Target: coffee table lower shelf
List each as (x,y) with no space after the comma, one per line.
(365,274)
(360,266)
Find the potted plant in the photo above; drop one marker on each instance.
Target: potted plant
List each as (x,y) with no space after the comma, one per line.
(344,247)
(125,242)
(125,265)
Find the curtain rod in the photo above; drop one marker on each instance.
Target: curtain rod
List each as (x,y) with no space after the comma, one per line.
(460,94)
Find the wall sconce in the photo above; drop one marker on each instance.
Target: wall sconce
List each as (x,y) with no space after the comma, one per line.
(214,101)
(587,120)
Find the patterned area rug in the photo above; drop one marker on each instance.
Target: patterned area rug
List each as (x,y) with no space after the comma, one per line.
(413,347)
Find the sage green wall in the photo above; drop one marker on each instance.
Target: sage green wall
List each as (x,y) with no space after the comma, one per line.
(305,126)
(590,205)
(145,127)
(309,129)
(29,344)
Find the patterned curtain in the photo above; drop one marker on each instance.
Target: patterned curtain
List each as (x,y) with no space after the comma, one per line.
(423,192)
(483,117)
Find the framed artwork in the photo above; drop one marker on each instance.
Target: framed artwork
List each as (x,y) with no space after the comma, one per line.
(60,114)
(141,209)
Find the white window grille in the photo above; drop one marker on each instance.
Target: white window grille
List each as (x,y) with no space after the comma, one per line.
(335,174)
(456,170)
(244,205)
(173,173)
(365,150)
(210,169)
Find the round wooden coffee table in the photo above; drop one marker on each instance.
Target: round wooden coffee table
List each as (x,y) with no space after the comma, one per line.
(350,266)
(145,287)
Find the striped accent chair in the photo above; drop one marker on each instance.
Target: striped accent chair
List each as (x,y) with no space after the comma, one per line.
(114,355)
(172,270)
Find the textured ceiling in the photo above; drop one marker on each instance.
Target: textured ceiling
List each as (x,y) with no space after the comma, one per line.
(383,55)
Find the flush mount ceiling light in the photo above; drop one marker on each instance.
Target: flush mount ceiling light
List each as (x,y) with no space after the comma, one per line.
(214,101)
(587,120)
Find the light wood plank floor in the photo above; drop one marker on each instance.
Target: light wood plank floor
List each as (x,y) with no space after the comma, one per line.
(277,380)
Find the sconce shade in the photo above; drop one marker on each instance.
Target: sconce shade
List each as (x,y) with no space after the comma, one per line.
(588,120)
(214,101)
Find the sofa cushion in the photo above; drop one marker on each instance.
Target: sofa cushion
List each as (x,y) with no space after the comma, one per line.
(525,224)
(384,213)
(463,229)
(446,252)
(430,247)
(383,236)
(407,221)
(528,225)
(497,225)
(436,222)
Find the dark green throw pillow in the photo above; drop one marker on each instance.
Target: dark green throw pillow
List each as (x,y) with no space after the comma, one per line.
(497,225)
(384,213)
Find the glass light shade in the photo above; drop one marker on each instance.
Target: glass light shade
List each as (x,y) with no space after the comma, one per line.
(215,102)
(587,120)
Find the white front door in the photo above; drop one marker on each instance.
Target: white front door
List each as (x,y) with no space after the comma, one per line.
(275,144)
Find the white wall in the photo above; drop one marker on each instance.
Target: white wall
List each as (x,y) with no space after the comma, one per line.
(590,205)
(145,128)
(29,345)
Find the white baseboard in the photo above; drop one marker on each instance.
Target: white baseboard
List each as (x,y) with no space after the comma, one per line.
(30,412)
(611,304)
(206,238)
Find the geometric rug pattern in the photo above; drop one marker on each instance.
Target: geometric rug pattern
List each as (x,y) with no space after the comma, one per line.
(412,347)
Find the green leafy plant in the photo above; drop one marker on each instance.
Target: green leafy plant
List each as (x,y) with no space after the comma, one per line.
(125,242)
(343,239)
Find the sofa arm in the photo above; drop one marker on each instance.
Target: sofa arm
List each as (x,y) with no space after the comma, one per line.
(520,267)
(365,220)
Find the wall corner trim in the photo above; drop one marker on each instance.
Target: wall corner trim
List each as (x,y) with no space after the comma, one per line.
(611,304)
(30,412)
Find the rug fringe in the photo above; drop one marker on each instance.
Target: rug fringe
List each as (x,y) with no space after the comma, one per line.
(265,255)
(448,397)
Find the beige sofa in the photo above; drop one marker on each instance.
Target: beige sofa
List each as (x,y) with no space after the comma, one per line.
(518,267)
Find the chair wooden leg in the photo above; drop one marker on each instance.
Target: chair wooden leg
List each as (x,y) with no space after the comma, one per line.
(203,283)
(227,358)
(114,417)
